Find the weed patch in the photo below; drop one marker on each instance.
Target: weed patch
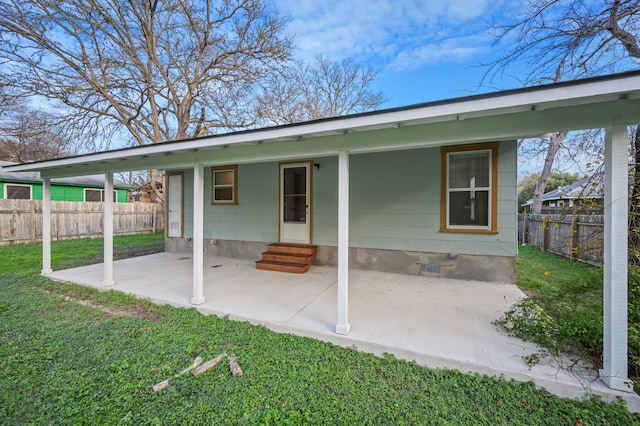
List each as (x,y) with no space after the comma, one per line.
(563,311)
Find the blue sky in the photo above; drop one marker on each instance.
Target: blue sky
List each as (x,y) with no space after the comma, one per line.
(423,50)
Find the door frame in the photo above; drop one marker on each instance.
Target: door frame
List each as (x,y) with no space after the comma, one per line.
(309,165)
(168,201)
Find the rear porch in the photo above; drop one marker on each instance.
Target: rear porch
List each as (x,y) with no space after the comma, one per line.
(438,322)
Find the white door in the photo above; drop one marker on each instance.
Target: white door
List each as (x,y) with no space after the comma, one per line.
(175,207)
(295,203)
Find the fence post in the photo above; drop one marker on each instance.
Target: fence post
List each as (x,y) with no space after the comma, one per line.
(545,223)
(525,229)
(32,219)
(153,220)
(574,238)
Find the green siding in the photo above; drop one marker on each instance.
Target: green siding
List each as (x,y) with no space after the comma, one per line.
(394,204)
(255,217)
(63,192)
(66,193)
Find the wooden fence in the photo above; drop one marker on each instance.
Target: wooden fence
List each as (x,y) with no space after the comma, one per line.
(578,237)
(21,220)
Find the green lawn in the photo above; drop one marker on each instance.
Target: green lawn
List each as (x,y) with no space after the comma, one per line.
(73,355)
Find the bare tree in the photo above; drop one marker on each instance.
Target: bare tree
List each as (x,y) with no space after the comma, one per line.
(155,70)
(560,39)
(321,89)
(555,139)
(30,135)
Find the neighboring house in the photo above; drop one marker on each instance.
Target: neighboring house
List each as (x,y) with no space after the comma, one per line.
(582,197)
(28,186)
(426,189)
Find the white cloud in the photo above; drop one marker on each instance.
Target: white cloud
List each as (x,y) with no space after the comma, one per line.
(401,34)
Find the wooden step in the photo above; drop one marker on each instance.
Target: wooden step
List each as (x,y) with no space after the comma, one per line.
(308,249)
(268,265)
(301,259)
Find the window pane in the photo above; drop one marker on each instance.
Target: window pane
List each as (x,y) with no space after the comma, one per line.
(224,177)
(92,195)
(224,194)
(469,170)
(469,208)
(295,180)
(15,192)
(295,208)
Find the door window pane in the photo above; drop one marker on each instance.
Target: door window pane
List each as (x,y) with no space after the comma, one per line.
(295,194)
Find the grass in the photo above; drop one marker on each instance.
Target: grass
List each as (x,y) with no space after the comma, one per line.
(564,311)
(74,355)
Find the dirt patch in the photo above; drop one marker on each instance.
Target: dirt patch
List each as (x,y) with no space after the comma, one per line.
(132,311)
(135,251)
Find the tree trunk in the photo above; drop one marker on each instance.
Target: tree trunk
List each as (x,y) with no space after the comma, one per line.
(555,140)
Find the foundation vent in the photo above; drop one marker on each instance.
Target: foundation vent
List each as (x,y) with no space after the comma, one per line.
(428,268)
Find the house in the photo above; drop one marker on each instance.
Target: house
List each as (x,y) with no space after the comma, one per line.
(425,189)
(28,186)
(584,196)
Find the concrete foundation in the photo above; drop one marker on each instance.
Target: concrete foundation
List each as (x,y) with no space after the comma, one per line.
(438,265)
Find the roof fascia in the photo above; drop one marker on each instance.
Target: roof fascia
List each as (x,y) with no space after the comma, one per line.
(567,94)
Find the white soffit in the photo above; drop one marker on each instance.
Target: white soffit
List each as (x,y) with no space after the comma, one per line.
(620,87)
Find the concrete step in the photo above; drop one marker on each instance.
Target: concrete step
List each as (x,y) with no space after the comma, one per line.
(268,265)
(302,259)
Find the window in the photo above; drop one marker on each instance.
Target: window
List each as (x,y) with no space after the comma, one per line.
(469,188)
(97,195)
(17,191)
(224,181)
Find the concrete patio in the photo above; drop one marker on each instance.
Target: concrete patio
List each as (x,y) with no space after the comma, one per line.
(439,323)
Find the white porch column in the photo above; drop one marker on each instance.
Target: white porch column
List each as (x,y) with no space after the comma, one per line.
(107,230)
(614,373)
(343,325)
(46,226)
(198,230)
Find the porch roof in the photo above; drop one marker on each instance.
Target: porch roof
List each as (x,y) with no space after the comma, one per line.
(527,112)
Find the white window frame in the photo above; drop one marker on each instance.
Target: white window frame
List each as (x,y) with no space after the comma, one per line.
(84,195)
(18,184)
(491,149)
(233,185)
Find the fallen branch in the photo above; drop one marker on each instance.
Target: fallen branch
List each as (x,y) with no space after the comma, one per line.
(163,384)
(236,371)
(197,369)
(196,362)
(208,365)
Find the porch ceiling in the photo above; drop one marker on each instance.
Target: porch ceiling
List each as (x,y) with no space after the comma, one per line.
(514,114)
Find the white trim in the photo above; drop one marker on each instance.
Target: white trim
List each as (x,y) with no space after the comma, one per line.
(84,194)
(295,232)
(343,325)
(623,88)
(489,189)
(21,185)
(614,372)
(46,226)
(108,232)
(198,237)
